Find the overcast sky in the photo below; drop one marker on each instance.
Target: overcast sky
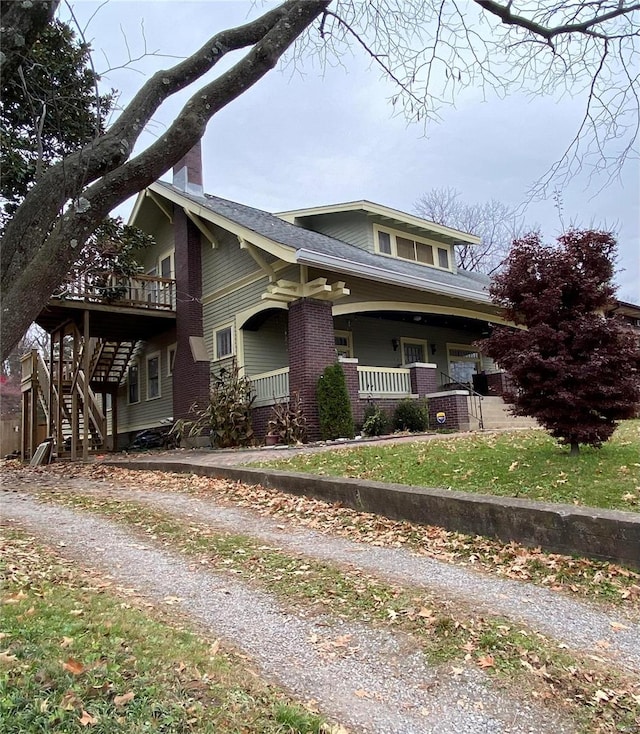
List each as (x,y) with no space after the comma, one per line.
(320,136)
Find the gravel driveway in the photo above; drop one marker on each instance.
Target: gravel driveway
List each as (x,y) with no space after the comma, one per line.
(369,680)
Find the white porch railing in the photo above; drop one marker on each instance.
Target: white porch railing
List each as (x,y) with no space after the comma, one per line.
(270,387)
(383,381)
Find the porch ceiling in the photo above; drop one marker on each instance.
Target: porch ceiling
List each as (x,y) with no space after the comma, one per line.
(110,323)
(429,319)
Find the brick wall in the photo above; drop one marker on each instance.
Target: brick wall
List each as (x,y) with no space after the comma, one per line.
(454,406)
(311,346)
(190,379)
(424,380)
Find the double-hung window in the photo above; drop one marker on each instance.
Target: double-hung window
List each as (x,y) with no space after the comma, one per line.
(153,376)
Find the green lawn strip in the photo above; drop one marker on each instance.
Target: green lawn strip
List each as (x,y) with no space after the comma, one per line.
(77,656)
(527,464)
(600,581)
(446,632)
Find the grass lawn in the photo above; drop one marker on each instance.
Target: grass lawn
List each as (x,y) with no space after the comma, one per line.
(79,657)
(527,464)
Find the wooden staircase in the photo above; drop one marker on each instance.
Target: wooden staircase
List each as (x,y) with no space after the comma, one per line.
(67,400)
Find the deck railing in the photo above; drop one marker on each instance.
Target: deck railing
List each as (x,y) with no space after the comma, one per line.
(383,381)
(269,387)
(139,291)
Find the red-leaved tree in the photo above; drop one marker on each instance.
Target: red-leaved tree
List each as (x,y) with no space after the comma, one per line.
(575,368)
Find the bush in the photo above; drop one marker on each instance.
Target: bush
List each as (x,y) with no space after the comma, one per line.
(334,406)
(288,423)
(227,417)
(411,415)
(376,421)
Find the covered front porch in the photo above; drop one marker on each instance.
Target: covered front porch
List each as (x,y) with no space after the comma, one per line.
(387,356)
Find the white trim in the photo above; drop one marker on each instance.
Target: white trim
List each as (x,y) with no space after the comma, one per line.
(433,244)
(348,335)
(463,238)
(223,327)
(360,307)
(283,252)
(404,340)
(429,365)
(348,360)
(148,358)
(173,347)
(382,275)
(171,255)
(447,393)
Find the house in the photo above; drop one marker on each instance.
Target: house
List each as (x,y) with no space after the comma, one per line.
(284,296)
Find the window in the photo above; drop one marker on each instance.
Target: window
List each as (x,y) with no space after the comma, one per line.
(413,350)
(464,362)
(223,342)
(384,242)
(171,358)
(153,376)
(401,245)
(344,344)
(133,383)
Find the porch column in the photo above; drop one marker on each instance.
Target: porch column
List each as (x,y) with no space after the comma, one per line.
(423,376)
(311,345)
(191,373)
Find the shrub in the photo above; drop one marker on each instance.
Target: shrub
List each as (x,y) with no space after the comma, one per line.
(411,415)
(376,421)
(334,406)
(289,422)
(228,414)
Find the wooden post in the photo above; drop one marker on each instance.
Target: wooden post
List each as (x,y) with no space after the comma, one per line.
(33,427)
(85,389)
(51,421)
(60,406)
(114,420)
(74,401)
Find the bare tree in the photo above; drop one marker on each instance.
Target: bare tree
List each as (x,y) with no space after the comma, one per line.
(497,224)
(431,50)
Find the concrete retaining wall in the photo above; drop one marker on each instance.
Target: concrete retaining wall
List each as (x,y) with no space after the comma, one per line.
(608,535)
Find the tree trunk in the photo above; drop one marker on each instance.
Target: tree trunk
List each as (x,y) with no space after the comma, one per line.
(575,448)
(40,241)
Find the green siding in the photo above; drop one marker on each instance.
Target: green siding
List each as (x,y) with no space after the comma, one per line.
(266,349)
(148,413)
(352,227)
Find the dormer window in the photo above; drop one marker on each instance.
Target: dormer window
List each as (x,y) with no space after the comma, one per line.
(417,249)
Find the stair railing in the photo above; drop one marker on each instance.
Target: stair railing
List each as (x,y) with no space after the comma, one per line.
(475,398)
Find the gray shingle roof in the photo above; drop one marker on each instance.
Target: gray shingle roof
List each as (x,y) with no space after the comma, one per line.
(276,229)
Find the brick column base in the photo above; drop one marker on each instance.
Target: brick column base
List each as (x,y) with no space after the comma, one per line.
(455,408)
(423,377)
(312,347)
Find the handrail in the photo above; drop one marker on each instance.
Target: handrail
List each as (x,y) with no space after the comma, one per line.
(139,290)
(475,396)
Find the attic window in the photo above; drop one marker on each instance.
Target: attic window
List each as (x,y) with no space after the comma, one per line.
(408,247)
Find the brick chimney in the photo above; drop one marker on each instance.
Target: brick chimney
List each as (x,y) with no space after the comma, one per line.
(187,172)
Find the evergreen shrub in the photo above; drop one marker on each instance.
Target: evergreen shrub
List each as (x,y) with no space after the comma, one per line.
(334,406)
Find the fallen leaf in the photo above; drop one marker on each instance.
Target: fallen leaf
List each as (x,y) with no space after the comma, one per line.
(73,666)
(486,661)
(617,626)
(66,642)
(87,720)
(125,698)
